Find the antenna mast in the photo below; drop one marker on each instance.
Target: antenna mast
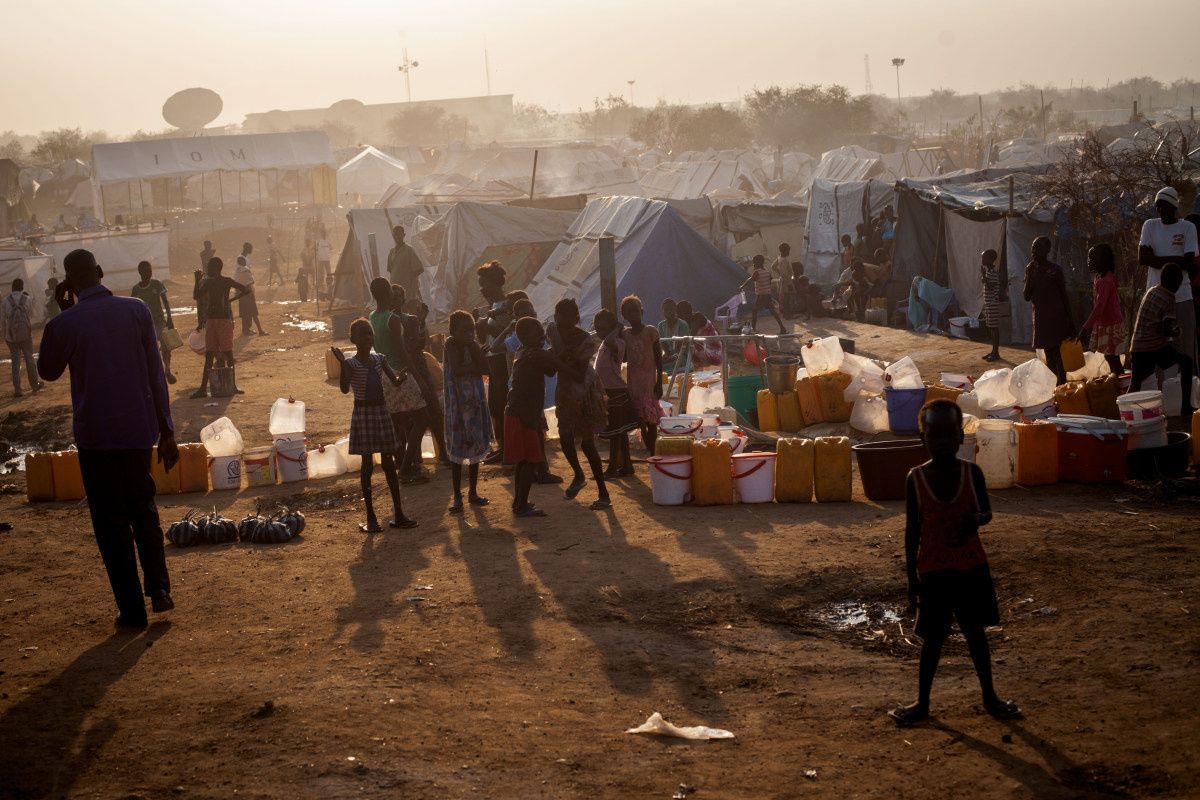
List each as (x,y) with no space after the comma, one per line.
(867,88)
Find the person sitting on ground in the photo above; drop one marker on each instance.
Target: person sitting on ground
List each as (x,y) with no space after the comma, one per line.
(524,418)
(621,419)
(672,325)
(468,421)
(371,430)
(153,293)
(948,574)
(1106,323)
(764,295)
(1156,334)
(214,314)
(578,399)
(705,353)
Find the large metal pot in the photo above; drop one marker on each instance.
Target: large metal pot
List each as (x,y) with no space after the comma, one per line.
(781,373)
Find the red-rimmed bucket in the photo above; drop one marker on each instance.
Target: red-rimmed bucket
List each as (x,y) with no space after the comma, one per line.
(754,477)
(670,479)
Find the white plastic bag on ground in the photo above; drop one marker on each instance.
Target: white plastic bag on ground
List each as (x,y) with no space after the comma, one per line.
(657,725)
(903,374)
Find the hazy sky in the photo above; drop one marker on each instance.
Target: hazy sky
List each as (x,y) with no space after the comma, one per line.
(109,65)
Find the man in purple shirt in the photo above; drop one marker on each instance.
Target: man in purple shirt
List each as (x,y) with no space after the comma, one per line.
(121,410)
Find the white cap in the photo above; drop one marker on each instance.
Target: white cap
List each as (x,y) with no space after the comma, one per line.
(1169,194)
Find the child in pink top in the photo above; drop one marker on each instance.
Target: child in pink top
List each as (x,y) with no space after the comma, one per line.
(1107,321)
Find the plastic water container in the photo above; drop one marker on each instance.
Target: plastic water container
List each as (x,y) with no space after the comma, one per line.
(868,377)
(353,462)
(705,398)
(1091,449)
(832,478)
(754,477)
(670,479)
(904,408)
(682,425)
(734,437)
(1095,365)
(966,451)
(794,465)
(68,478)
(1147,433)
(428,451)
(955,381)
(993,388)
(1137,406)
(870,414)
(712,479)
(969,403)
(1040,411)
(1032,383)
(326,462)
(225,472)
(551,415)
(258,463)
(287,415)
(196,342)
(292,460)
(903,374)
(222,438)
(822,355)
(1037,453)
(997,455)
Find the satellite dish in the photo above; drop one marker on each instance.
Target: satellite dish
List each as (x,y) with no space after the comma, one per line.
(192,109)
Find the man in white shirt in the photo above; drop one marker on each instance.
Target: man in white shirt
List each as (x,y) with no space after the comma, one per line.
(1171,240)
(16,320)
(324,252)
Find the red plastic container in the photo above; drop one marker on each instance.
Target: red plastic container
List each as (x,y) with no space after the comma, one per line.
(1086,458)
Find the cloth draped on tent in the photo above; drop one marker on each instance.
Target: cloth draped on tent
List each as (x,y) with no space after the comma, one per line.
(965,241)
(923,296)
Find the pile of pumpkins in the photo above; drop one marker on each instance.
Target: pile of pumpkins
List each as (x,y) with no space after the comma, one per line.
(215,529)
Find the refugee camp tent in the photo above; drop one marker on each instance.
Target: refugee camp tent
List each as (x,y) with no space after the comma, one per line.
(17,260)
(366,177)
(355,271)
(447,189)
(457,243)
(679,180)
(657,256)
(737,222)
(560,170)
(835,209)
(117,252)
(244,171)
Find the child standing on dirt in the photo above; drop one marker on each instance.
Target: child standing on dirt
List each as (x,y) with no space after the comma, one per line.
(1106,323)
(993,292)
(371,429)
(579,400)
(644,370)
(620,410)
(468,421)
(524,420)
(764,295)
(948,574)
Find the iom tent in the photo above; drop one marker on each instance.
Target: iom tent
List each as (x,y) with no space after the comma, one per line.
(364,179)
(657,256)
(471,233)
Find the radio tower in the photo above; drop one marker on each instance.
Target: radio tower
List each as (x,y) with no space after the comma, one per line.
(867,65)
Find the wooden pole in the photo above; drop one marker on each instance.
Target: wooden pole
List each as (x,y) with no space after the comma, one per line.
(1010,195)
(1043,96)
(533,178)
(373,249)
(608,273)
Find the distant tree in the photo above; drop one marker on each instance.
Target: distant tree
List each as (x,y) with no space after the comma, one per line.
(532,120)
(341,134)
(676,128)
(63,144)
(809,117)
(427,125)
(11,147)
(612,116)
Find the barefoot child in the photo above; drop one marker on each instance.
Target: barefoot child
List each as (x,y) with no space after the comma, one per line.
(764,295)
(644,370)
(993,293)
(620,410)
(1106,322)
(468,421)
(524,420)
(948,573)
(371,428)
(578,399)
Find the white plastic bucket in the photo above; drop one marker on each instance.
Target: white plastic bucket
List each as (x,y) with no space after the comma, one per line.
(225,472)
(754,477)
(1138,406)
(966,450)
(670,479)
(1008,412)
(259,465)
(1041,411)
(1147,433)
(297,436)
(736,438)
(292,459)
(954,380)
(682,425)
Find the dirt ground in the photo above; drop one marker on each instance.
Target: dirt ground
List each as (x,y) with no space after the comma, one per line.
(489,657)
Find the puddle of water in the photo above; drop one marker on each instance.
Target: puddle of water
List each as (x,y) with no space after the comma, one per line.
(183,311)
(14,457)
(318,325)
(844,616)
(286,302)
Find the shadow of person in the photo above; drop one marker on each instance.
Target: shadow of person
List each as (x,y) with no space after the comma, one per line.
(507,601)
(626,601)
(1040,781)
(44,745)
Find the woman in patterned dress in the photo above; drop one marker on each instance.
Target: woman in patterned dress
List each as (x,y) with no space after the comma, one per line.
(371,429)
(992,294)
(468,419)
(1107,321)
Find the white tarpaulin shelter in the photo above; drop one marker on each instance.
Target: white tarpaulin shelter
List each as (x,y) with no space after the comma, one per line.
(680,180)
(835,209)
(34,270)
(368,176)
(657,255)
(457,240)
(965,240)
(117,252)
(355,272)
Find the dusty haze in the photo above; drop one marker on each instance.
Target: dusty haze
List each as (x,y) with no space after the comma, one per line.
(77,65)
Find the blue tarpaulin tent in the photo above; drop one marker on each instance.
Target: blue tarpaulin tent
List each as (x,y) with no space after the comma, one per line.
(658,255)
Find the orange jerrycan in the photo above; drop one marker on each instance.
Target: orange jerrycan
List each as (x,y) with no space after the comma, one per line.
(810,401)
(791,419)
(832,388)
(193,468)
(164,482)
(39,477)
(712,473)
(794,462)
(1037,453)
(768,411)
(68,480)
(831,482)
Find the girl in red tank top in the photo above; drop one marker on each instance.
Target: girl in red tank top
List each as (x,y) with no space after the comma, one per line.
(948,574)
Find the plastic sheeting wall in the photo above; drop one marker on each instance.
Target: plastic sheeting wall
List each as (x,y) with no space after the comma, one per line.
(117,253)
(966,239)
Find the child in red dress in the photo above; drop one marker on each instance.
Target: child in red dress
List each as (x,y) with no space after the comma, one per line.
(524,420)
